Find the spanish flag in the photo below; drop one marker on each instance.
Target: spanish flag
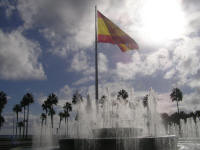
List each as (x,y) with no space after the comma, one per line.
(108,32)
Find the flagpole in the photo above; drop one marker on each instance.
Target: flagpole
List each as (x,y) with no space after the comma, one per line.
(96,62)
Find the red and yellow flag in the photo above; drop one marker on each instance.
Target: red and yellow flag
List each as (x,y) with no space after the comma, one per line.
(108,32)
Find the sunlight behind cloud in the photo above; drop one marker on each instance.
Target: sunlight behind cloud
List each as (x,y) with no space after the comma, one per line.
(162,20)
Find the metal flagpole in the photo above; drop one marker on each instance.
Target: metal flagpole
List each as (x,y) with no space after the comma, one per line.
(96,61)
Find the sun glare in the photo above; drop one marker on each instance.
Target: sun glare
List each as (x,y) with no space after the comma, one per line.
(162,20)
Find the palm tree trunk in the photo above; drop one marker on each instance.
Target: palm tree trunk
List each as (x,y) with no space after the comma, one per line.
(67,128)
(41,132)
(14,127)
(24,123)
(27,121)
(196,127)
(148,120)
(177,107)
(179,120)
(52,121)
(59,123)
(16,124)
(20,131)
(45,123)
(0,121)
(41,126)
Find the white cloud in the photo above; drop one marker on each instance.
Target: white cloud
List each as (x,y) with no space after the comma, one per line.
(144,64)
(186,58)
(180,64)
(103,63)
(194,83)
(80,62)
(19,57)
(65,92)
(64,95)
(84,80)
(190,101)
(41,99)
(192,13)
(67,26)
(165,104)
(70,24)
(169,74)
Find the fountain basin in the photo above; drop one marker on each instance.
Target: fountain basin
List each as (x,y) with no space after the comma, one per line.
(124,143)
(117,132)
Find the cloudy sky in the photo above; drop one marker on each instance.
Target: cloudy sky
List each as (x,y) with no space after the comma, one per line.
(48,46)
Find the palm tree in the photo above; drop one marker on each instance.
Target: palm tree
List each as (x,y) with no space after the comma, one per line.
(20,125)
(51,101)
(102,100)
(28,98)
(23,104)
(77,98)
(183,116)
(17,108)
(197,113)
(61,115)
(45,108)
(3,102)
(145,100)
(177,96)
(51,113)
(42,117)
(194,116)
(122,94)
(66,115)
(145,104)
(67,108)
(175,118)
(2,120)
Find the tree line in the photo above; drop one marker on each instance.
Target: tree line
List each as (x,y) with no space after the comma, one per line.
(49,104)
(48,107)
(176,95)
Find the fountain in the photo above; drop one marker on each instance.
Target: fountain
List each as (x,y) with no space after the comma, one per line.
(119,124)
